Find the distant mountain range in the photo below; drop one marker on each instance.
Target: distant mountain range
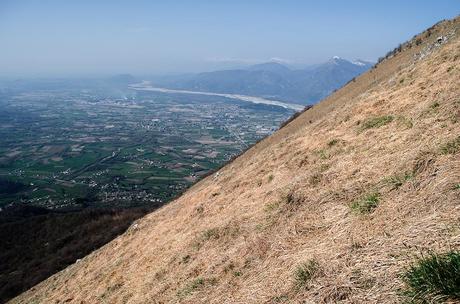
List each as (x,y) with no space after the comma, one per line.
(273,80)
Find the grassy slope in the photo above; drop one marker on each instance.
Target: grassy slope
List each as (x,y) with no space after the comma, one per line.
(239,236)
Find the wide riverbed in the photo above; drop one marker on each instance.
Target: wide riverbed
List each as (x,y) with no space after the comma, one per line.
(145,86)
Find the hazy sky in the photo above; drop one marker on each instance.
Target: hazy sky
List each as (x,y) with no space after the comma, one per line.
(42,38)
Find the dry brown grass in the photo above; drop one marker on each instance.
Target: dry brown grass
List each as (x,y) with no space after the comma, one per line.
(361,257)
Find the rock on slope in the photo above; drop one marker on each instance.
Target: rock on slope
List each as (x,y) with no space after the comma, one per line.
(391,137)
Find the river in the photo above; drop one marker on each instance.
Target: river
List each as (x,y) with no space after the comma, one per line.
(145,86)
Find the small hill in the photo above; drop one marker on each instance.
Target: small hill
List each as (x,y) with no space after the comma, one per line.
(331,208)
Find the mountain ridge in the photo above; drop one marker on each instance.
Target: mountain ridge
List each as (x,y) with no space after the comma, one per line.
(274,80)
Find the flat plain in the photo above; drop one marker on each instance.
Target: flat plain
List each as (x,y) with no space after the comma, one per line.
(90,145)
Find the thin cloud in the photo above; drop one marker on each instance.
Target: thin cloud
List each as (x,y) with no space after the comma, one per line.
(247,60)
(231,60)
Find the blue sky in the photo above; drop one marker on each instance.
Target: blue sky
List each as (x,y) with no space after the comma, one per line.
(59,38)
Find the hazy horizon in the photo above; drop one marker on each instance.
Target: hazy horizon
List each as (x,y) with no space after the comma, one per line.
(63,39)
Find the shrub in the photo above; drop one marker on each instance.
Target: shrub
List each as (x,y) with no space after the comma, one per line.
(304,273)
(366,204)
(451,147)
(434,278)
(376,122)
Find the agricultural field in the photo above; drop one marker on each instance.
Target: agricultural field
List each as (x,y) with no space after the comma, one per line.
(73,146)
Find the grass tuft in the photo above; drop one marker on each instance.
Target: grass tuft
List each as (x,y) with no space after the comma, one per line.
(332,142)
(290,201)
(397,181)
(376,122)
(451,147)
(322,154)
(212,233)
(304,273)
(272,206)
(315,179)
(366,204)
(191,287)
(237,273)
(280,299)
(186,259)
(434,105)
(434,278)
(404,122)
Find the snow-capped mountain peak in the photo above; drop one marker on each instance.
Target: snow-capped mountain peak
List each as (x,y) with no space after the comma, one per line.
(361,62)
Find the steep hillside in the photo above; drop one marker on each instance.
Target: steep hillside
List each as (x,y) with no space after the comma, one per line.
(331,208)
